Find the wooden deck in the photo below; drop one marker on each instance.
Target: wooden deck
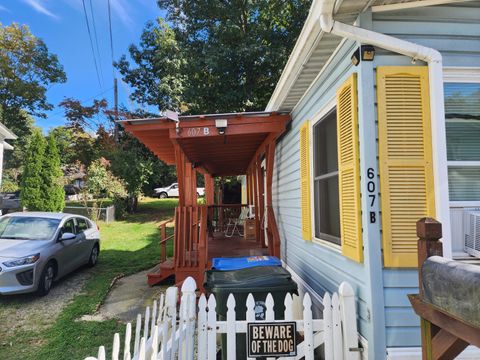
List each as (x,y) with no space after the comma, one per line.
(221,246)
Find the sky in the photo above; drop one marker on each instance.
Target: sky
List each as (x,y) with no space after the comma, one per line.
(62,26)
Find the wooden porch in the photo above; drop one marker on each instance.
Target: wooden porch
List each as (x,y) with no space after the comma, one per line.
(215,146)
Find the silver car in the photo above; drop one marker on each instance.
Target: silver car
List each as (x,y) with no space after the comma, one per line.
(37,248)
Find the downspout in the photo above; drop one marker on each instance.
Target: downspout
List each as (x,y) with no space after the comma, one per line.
(435,69)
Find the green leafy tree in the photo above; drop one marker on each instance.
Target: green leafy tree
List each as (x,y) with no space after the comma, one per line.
(31,186)
(101,184)
(158,77)
(27,70)
(130,164)
(52,189)
(224,55)
(65,140)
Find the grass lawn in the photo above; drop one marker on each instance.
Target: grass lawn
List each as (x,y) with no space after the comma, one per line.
(127,247)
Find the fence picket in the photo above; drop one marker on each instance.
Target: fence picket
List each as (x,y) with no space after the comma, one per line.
(308,327)
(202,328)
(153,320)
(181,327)
(128,336)
(160,308)
(288,303)
(101,353)
(231,329)
(154,342)
(146,326)
(327,319)
(347,310)
(141,354)
(138,329)
(116,346)
(250,316)
(336,328)
(172,314)
(212,329)
(175,339)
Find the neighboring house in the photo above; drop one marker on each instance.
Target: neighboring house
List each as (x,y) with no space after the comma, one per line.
(374,147)
(5,134)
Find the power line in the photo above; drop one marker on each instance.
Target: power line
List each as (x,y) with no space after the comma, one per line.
(91,43)
(96,39)
(111,36)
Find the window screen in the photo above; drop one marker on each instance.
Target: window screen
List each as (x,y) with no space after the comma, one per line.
(326,200)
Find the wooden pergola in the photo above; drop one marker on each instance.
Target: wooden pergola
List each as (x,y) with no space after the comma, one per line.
(215,145)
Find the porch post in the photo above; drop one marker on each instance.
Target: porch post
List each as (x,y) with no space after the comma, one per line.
(209,189)
(188,175)
(274,244)
(260,209)
(180,166)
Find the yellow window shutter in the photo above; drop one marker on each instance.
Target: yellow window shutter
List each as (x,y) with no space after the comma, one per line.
(349,170)
(405,151)
(305,181)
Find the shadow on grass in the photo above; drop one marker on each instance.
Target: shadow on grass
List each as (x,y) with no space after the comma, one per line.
(153,210)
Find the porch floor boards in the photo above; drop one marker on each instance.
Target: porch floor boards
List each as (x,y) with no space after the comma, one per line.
(221,246)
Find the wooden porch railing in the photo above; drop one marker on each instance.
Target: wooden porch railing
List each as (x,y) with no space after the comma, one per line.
(190,249)
(164,239)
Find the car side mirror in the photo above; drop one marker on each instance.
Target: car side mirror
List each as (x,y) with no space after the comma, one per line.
(67,236)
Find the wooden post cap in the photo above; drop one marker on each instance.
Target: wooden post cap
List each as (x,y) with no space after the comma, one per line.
(429,229)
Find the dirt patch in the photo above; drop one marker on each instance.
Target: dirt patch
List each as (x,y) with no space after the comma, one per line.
(30,313)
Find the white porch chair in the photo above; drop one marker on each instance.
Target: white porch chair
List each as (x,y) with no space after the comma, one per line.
(233,225)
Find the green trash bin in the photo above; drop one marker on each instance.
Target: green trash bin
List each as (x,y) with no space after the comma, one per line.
(259,281)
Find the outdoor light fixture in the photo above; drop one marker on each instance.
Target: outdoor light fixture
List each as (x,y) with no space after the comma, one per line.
(221,125)
(364,53)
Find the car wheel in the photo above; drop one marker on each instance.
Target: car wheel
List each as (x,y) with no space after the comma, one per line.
(163,195)
(46,279)
(92,261)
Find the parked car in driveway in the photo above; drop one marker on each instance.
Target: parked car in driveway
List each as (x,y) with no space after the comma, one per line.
(172,191)
(37,248)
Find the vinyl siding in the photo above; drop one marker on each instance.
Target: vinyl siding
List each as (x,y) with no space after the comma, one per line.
(454,30)
(321,266)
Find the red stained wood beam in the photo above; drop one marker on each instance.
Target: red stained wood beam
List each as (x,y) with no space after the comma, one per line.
(232,129)
(148,127)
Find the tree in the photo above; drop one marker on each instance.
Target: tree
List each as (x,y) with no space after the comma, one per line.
(80,117)
(27,69)
(31,187)
(52,189)
(226,55)
(158,78)
(101,184)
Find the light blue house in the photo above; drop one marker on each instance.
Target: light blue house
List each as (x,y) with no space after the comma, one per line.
(375,146)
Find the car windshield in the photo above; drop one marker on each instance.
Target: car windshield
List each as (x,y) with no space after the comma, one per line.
(27,228)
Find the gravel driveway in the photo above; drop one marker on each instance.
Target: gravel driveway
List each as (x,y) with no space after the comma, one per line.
(28,312)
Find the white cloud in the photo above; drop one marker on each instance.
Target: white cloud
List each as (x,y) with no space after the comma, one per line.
(38,6)
(119,8)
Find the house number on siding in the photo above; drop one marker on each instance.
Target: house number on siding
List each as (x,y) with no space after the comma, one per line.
(198,131)
(371,194)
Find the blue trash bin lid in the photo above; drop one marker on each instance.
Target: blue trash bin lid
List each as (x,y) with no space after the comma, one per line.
(238,263)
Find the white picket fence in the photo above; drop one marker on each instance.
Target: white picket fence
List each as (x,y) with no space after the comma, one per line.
(160,336)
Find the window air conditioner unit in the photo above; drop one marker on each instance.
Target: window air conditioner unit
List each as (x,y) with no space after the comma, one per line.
(471,224)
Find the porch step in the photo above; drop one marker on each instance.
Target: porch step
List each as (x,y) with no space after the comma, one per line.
(161,272)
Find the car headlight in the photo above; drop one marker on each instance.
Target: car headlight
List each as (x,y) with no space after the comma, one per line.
(23,261)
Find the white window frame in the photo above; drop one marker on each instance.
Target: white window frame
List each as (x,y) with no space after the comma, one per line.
(329,106)
(470,75)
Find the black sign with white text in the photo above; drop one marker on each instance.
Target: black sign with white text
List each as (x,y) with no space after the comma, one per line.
(271,339)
